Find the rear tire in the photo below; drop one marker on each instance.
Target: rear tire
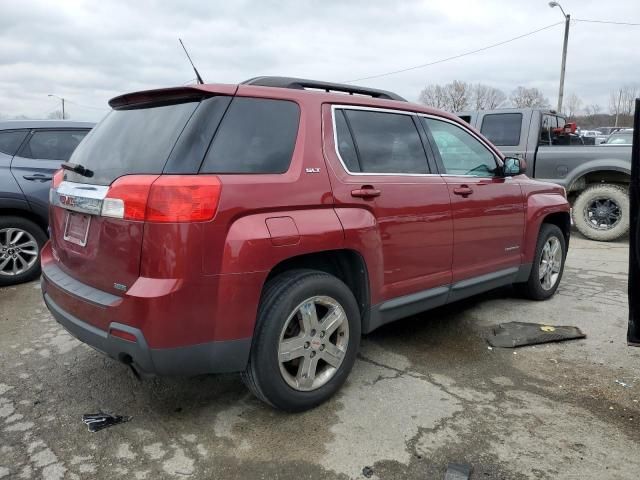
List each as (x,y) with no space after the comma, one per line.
(548,265)
(608,197)
(289,340)
(21,241)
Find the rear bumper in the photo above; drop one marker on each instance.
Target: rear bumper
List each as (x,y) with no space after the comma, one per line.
(211,357)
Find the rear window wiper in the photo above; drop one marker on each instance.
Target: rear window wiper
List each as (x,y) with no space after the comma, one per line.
(77,168)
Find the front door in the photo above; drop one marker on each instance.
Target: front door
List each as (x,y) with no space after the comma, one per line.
(488,209)
(37,160)
(379,165)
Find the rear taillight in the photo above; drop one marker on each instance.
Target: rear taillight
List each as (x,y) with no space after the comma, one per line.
(57,178)
(165,198)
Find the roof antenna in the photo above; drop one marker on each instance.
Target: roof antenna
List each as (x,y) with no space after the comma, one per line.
(190,61)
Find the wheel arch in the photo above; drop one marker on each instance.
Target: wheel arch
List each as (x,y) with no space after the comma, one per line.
(563,221)
(610,174)
(24,213)
(346,264)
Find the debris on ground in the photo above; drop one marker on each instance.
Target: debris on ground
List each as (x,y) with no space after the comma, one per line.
(367,472)
(518,334)
(458,471)
(625,385)
(98,421)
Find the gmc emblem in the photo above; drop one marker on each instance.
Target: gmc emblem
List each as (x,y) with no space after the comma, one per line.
(67,200)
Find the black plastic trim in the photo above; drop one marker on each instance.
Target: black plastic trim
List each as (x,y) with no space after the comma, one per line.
(62,280)
(211,357)
(408,305)
(303,83)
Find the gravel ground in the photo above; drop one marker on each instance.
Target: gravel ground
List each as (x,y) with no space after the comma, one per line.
(424,392)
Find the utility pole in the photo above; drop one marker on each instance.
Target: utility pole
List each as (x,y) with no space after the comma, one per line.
(618,107)
(567,22)
(62,100)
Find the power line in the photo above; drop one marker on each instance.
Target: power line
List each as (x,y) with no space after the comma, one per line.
(455,56)
(606,21)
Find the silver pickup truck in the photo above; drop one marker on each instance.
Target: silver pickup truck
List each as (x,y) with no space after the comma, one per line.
(596,177)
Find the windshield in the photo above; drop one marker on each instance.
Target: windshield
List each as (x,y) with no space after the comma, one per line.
(620,139)
(131,141)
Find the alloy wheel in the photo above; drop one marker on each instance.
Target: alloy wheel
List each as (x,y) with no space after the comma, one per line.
(18,251)
(313,343)
(603,213)
(550,263)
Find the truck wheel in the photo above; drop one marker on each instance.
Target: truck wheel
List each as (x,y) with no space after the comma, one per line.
(548,264)
(601,212)
(20,244)
(306,340)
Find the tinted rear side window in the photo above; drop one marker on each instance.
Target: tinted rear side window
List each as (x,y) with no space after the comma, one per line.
(502,129)
(387,142)
(131,141)
(11,140)
(256,135)
(52,144)
(345,143)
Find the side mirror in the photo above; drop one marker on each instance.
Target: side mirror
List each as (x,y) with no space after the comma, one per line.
(513,166)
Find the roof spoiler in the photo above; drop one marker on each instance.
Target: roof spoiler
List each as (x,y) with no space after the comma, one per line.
(159,96)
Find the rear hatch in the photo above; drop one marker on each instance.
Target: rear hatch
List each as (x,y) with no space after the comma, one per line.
(98,216)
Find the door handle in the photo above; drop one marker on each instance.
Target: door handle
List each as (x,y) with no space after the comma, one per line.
(38,177)
(463,190)
(367,191)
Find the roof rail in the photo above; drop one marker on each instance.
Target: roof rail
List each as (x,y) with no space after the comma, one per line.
(303,84)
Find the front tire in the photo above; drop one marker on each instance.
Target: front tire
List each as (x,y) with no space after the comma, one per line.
(548,264)
(20,243)
(306,340)
(601,212)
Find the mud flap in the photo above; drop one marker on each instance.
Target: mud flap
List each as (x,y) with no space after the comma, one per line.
(519,334)
(633,331)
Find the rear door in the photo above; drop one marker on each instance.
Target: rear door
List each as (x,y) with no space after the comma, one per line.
(38,158)
(488,210)
(380,165)
(10,193)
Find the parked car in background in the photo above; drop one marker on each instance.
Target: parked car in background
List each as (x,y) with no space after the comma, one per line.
(30,152)
(263,227)
(620,137)
(593,137)
(596,179)
(608,130)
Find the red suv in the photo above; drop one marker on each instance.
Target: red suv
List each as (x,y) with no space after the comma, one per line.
(264,227)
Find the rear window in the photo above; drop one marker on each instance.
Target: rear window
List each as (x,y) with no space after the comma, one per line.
(502,129)
(11,140)
(131,141)
(256,135)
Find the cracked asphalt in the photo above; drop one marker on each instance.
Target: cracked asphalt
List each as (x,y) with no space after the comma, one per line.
(424,392)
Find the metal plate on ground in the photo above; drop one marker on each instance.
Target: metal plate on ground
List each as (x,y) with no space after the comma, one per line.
(519,334)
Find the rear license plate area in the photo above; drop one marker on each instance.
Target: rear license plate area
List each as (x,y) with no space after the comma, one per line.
(76,228)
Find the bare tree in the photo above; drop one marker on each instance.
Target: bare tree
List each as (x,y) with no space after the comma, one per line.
(593,109)
(485,97)
(621,102)
(57,115)
(523,97)
(574,103)
(434,96)
(459,94)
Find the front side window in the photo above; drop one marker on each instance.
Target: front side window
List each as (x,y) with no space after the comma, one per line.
(52,144)
(461,153)
(548,123)
(502,129)
(386,142)
(257,135)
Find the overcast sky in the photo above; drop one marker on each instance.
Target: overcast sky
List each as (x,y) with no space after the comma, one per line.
(89,52)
